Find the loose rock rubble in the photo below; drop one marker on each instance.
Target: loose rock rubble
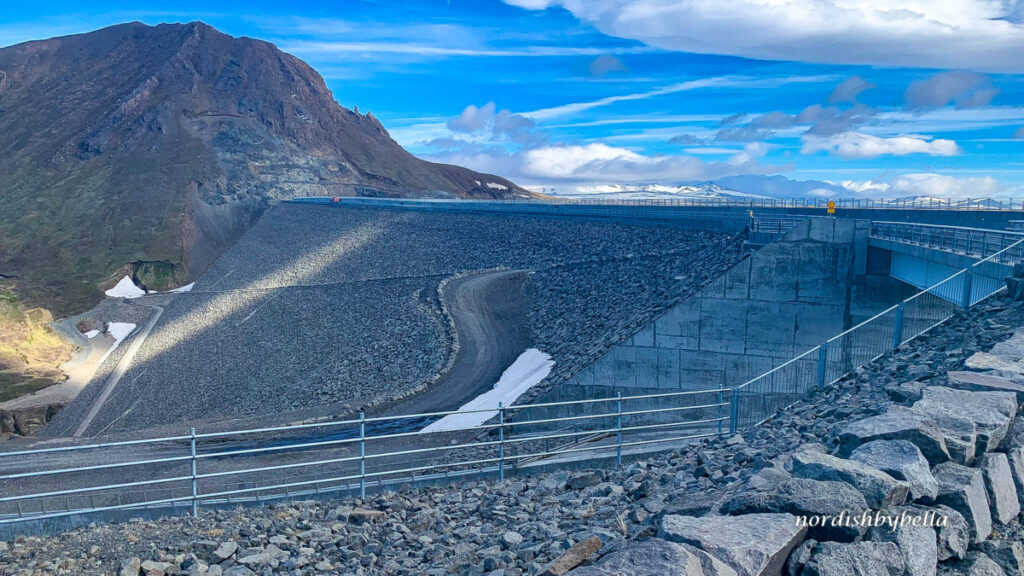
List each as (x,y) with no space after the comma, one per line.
(725,506)
(320,306)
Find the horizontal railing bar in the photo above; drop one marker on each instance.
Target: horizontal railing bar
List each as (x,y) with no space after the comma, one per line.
(944,226)
(95,467)
(93,489)
(94,446)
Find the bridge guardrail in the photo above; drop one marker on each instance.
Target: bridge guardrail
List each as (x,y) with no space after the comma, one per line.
(976,242)
(349,456)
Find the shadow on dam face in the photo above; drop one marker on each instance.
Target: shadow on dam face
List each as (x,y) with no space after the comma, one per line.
(782,301)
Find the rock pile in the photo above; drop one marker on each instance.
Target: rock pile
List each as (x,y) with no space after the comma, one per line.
(325,307)
(725,506)
(938,480)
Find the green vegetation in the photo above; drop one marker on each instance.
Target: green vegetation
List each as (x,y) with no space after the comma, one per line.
(30,352)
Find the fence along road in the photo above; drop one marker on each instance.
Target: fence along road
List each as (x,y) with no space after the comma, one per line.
(195,469)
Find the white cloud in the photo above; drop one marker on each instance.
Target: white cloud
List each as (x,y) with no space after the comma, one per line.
(599,163)
(963,34)
(710,82)
(928,184)
(858,145)
(472,119)
(849,89)
(963,89)
(309,48)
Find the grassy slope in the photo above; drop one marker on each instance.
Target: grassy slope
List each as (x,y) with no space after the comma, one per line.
(29,350)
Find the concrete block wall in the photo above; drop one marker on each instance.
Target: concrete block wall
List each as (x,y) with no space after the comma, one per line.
(785,299)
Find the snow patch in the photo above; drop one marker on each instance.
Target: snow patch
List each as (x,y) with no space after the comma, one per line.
(495,186)
(186,288)
(125,289)
(477,182)
(527,371)
(92,334)
(120,331)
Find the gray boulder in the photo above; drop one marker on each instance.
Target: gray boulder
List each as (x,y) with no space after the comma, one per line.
(768,478)
(975,564)
(963,489)
(856,559)
(990,412)
(753,544)
(1013,447)
(961,436)
(952,533)
(988,361)
(880,490)
(917,543)
(901,460)
(905,392)
(653,557)
(799,557)
(130,567)
(1009,554)
(806,498)
(1002,494)
(991,381)
(898,423)
(1013,348)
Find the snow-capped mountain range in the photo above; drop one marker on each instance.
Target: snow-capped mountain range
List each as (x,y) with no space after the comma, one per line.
(649,191)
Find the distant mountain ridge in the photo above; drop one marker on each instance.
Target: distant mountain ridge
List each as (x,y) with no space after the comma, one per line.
(155,147)
(706,190)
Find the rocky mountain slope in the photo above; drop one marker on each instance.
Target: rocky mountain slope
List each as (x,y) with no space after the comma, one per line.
(150,150)
(156,147)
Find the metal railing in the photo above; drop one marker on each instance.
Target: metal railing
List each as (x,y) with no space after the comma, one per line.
(352,456)
(761,397)
(976,242)
(972,204)
(349,456)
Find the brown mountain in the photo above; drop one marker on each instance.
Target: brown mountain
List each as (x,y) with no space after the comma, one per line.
(156,147)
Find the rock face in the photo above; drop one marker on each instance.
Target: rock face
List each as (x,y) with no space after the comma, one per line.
(654,557)
(1002,494)
(803,497)
(1009,555)
(754,544)
(880,490)
(917,545)
(976,564)
(985,382)
(953,535)
(901,460)
(989,412)
(858,559)
(173,139)
(963,490)
(897,424)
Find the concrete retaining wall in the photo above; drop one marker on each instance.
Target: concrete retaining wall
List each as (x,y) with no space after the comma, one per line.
(783,300)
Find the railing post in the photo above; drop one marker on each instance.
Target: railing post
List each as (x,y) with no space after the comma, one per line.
(719,411)
(965,298)
(822,363)
(362,456)
(195,483)
(501,442)
(618,428)
(897,328)
(734,404)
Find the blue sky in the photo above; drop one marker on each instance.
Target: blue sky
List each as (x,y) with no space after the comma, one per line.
(870,98)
